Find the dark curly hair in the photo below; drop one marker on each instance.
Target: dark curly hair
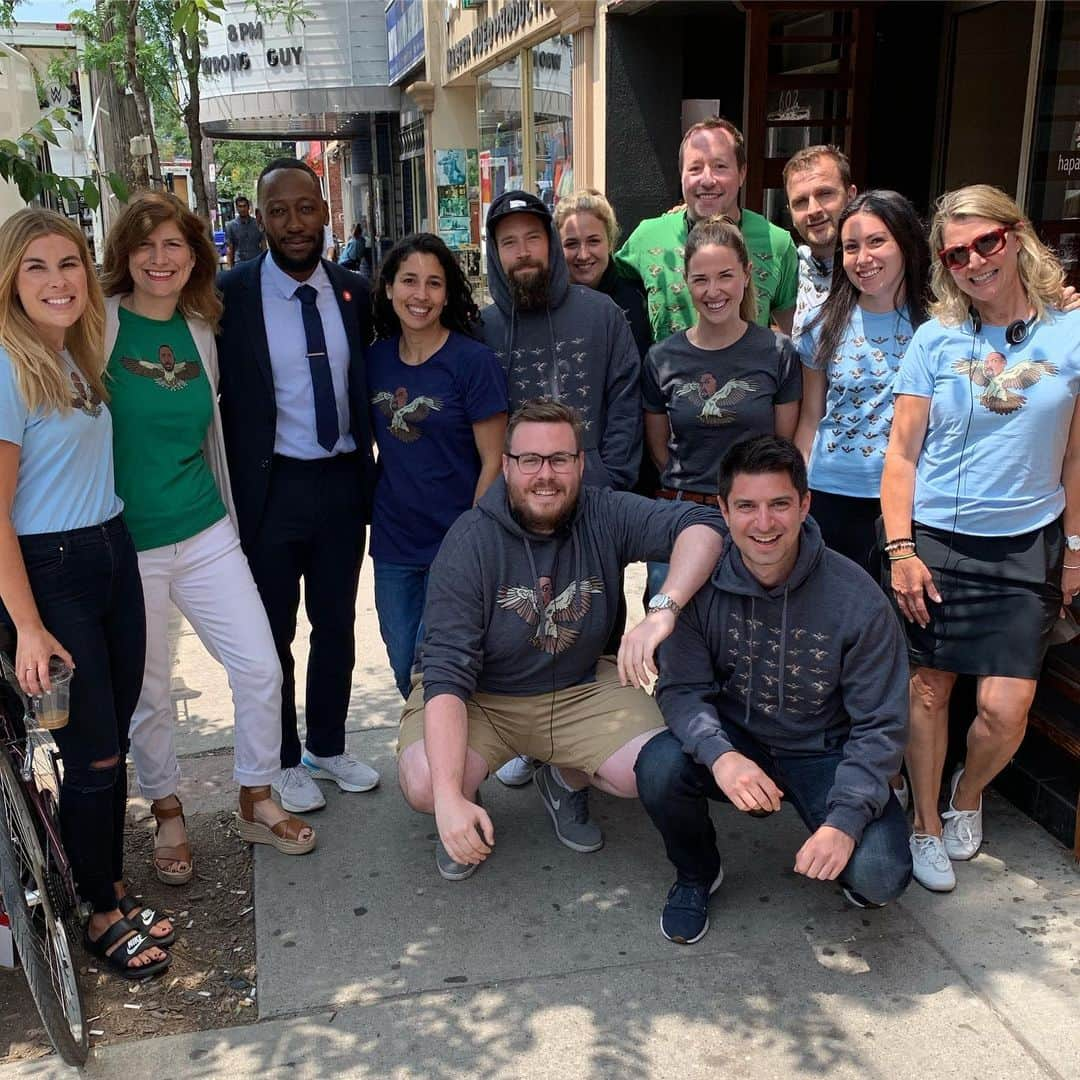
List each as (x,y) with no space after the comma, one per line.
(460,314)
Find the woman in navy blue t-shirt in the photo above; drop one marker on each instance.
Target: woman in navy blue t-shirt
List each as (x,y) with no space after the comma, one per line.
(438,410)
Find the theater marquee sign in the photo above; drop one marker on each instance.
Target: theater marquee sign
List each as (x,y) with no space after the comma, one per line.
(514,23)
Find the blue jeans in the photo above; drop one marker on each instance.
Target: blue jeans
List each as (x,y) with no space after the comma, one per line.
(399,602)
(675,791)
(655,575)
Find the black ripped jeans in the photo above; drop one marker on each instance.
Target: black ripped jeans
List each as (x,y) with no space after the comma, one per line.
(88,592)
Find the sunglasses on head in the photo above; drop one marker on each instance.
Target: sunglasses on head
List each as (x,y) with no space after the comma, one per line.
(988,243)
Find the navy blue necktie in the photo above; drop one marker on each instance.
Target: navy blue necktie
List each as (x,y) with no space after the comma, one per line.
(322,383)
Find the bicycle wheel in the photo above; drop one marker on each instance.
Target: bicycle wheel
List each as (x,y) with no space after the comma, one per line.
(39,932)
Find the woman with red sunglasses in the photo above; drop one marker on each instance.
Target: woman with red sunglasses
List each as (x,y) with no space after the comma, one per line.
(981,502)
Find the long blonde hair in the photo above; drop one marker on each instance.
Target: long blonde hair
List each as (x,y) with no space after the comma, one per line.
(1040,271)
(136,222)
(41,377)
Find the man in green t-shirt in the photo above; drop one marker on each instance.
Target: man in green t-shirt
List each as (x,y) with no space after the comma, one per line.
(712,165)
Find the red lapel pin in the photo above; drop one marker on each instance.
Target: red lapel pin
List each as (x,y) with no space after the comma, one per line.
(346,295)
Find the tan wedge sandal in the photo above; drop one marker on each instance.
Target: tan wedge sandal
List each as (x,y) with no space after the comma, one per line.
(283,837)
(174,853)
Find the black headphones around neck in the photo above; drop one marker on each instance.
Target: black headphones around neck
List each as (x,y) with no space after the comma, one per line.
(1015,333)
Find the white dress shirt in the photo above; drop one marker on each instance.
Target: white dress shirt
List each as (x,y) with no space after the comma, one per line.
(293,392)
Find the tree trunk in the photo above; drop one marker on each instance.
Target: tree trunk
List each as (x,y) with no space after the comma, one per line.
(191,58)
(142,102)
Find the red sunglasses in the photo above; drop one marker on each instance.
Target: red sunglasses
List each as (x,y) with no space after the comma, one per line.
(987,244)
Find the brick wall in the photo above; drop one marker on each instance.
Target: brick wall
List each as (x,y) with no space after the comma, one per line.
(337,210)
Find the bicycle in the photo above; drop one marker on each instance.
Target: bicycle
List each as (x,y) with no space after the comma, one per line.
(36,878)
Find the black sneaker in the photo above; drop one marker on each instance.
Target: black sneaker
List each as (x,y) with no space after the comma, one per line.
(860,901)
(685,918)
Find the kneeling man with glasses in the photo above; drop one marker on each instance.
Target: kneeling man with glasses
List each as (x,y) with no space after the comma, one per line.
(521,601)
(786,678)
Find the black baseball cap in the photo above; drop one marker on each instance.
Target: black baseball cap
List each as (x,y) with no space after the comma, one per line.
(516,202)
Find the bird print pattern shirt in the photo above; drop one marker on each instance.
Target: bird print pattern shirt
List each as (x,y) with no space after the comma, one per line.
(160,400)
(422,417)
(998,426)
(849,447)
(714,398)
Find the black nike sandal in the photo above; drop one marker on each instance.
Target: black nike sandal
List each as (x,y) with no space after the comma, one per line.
(130,942)
(143,918)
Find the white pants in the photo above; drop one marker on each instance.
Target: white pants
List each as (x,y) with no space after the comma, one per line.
(208,579)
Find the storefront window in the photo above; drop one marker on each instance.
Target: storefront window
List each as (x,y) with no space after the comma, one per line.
(1054,191)
(502,146)
(553,118)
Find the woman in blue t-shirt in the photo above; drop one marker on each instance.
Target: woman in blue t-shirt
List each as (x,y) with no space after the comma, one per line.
(69,578)
(851,353)
(981,502)
(438,410)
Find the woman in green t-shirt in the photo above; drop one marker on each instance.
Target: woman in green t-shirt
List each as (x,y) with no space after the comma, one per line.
(161,314)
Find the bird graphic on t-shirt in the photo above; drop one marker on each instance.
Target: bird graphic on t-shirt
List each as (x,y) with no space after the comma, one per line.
(999,380)
(86,399)
(712,398)
(167,373)
(548,613)
(403,414)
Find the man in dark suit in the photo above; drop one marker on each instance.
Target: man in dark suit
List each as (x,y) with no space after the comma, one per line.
(295,419)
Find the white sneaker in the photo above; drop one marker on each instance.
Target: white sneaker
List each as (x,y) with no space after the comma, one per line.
(930,863)
(902,793)
(297,792)
(961,830)
(517,771)
(349,773)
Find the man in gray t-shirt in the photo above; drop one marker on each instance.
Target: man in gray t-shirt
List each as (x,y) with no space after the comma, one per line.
(712,399)
(243,237)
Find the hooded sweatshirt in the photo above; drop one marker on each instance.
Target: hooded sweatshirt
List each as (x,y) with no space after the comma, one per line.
(800,667)
(579,351)
(514,612)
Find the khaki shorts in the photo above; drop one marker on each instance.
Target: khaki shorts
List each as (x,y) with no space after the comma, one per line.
(578,728)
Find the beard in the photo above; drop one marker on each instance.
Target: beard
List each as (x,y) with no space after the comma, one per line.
(294,264)
(530,291)
(542,523)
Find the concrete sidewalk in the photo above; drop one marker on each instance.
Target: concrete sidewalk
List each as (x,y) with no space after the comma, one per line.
(547,962)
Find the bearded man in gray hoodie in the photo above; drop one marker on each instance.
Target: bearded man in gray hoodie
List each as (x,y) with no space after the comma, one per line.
(521,600)
(786,677)
(562,341)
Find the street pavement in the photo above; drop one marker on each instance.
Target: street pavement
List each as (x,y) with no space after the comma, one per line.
(548,962)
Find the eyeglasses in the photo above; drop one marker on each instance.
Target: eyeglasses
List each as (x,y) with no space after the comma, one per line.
(987,244)
(562,461)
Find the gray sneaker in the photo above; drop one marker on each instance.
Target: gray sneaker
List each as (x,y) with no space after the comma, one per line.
(452,871)
(569,812)
(445,864)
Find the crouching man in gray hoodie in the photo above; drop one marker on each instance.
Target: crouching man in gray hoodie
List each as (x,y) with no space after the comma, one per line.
(786,677)
(521,600)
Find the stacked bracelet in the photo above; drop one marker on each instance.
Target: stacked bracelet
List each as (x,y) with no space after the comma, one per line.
(904,543)
(899,558)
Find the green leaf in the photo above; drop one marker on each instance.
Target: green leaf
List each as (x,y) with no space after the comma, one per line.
(90,194)
(8,147)
(119,186)
(69,188)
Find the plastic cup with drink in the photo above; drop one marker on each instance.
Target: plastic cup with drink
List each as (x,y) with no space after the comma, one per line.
(50,707)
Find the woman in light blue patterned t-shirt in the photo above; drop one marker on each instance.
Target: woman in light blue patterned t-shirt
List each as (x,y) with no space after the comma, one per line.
(981,502)
(851,353)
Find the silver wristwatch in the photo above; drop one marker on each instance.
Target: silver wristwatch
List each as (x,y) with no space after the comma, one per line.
(1072,542)
(663,602)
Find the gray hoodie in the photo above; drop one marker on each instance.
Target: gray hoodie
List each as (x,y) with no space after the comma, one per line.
(814,662)
(579,351)
(513,612)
